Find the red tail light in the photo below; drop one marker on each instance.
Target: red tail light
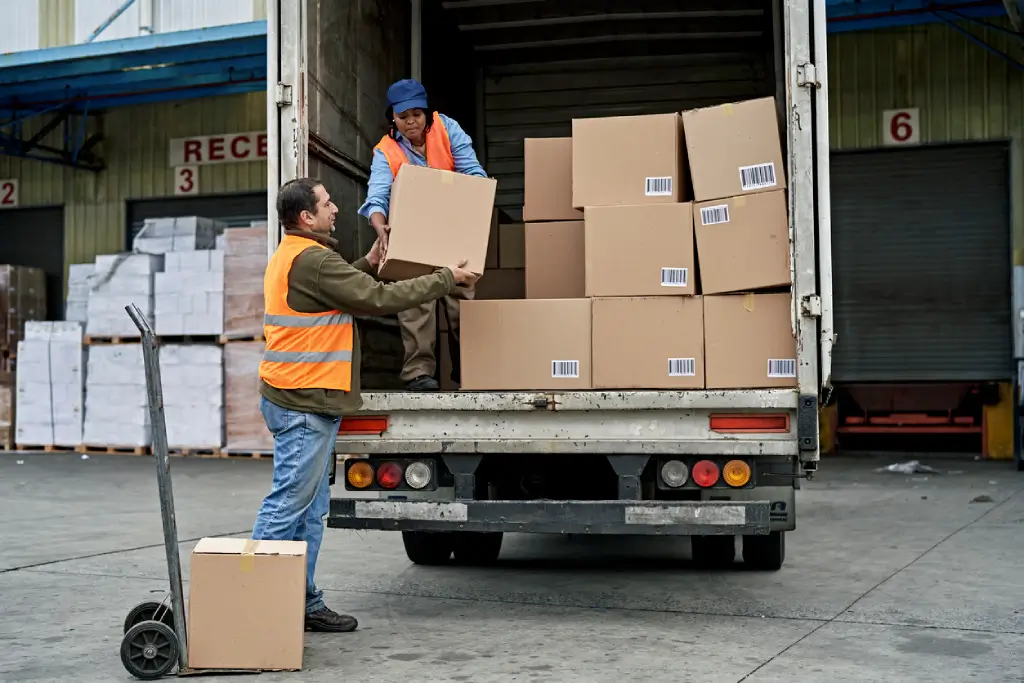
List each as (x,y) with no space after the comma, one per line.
(389,475)
(369,425)
(704,473)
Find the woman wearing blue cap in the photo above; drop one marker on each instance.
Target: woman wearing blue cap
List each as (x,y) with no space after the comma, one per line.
(424,138)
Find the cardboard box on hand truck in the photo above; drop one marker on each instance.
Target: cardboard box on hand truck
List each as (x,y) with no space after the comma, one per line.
(437,218)
(247,605)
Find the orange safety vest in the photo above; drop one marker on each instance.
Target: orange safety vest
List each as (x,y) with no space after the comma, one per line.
(439,149)
(304,350)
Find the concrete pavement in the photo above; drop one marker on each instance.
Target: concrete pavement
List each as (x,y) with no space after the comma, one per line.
(888,578)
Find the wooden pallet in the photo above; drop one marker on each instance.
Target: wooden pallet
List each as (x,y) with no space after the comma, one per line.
(254,455)
(189,339)
(114,450)
(98,340)
(227,338)
(196,452)
(43,448)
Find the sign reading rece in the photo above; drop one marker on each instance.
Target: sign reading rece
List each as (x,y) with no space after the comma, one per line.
(229,148)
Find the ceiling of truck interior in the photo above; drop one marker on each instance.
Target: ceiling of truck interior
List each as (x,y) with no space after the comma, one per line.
(545,62)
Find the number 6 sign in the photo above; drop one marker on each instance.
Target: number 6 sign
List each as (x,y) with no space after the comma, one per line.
(186,180)
(900,126)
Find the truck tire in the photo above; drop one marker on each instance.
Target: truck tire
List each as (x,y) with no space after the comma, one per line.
(428,548)
(713,552)
(765,553)
(475,548)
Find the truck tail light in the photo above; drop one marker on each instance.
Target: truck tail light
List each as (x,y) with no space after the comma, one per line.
(736,473)
(389,475)
(705,474)
(674,473)
(733,423)
(417,475)
(360,475)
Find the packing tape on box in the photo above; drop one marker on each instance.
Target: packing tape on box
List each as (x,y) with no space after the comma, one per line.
(248,558)
(739,201)
(447,178)
(728,109)
(748,302)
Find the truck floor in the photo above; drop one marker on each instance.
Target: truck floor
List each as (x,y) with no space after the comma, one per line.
(888,578)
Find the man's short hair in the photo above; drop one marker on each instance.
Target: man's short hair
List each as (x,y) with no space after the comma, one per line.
(293,198)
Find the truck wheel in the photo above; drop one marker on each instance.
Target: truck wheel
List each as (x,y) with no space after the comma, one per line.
(713,552)
(766,553)
(428,547)
(476,548)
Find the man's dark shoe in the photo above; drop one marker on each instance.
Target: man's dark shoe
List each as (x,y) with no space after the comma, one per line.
(328,621)
(423,383)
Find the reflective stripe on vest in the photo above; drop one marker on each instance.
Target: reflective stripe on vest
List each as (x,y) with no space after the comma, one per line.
(304,350)
(438,149)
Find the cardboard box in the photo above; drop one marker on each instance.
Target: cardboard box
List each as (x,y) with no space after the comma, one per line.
(502,283)
(528,345)
(742,243)
(748,343)
(639,250)
(648,343)
(512,253)
(734,149)
(246,607)
(547,180)
(491,261)
(554,260)
(437,218)
(623,160)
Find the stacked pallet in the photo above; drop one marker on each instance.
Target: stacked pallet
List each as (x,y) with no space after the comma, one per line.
(50,386)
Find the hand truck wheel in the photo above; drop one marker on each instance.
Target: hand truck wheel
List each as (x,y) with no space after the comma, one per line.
(149,650)
(149,610)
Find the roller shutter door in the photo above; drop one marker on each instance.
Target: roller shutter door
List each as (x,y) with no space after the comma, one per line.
(35,238)
(237,210)
(922,264)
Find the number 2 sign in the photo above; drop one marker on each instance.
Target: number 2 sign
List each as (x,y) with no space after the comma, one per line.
(8,193)
(186,180)
(900,126)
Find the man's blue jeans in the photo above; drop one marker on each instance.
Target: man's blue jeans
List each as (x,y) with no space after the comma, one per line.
(300,495)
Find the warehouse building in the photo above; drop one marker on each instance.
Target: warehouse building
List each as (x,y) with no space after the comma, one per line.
(926,111)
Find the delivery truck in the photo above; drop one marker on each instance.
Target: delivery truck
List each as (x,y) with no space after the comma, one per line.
(454,470)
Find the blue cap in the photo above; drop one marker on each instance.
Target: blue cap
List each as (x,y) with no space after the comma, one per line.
(407,94)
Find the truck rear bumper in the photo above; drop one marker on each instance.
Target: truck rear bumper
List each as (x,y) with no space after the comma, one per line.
(658,518)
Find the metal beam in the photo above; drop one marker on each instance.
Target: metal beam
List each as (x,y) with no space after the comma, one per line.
(109,20)
(76,151)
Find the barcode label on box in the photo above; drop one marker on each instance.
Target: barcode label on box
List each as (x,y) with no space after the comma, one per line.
(781,367)
(565,369)
(757,177)
(675,277)
(682,367)
(658,187)
(713,215)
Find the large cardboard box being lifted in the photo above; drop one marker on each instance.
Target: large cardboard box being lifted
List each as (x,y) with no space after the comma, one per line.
(526,345)
(734,149)
(627,160)
(437,218)
(246,607)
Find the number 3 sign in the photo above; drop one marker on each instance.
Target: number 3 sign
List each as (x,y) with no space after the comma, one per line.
(186,180)
(900,126)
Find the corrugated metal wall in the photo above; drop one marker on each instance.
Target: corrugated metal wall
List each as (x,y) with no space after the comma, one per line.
(31,24)
(964,91)
(135,151)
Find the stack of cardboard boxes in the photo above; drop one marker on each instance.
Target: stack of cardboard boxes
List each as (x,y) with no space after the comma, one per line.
(677,276)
